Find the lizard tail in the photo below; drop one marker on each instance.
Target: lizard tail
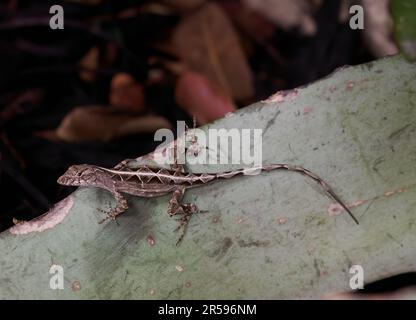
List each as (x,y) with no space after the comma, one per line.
(294,168)
(321,182)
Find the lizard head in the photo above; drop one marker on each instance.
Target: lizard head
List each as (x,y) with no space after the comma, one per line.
(80,175)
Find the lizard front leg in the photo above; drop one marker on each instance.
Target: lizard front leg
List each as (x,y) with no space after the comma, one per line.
(186,209)
(120,207)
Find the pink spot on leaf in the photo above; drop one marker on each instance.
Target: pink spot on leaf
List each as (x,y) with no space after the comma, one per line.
(335,209)
(76,285)
(283,95)
(307,110)
(151,240)
(350,86)
(357,203)
(281,221)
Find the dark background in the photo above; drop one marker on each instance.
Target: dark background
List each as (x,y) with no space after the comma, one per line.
(40,83)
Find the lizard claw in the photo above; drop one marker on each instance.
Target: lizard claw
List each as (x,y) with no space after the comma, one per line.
(109,216)
(182,225)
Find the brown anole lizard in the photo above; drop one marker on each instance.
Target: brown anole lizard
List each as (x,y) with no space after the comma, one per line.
(147,181)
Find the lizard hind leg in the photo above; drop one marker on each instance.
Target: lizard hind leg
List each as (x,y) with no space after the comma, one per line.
(189,210)
(177,208)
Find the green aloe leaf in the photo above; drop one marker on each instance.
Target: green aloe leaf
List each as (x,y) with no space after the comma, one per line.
(275,235)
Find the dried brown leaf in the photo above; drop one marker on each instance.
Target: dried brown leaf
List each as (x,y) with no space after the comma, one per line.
(126,93)
(96,123)
(89,63)
(208,44)
(201,98)
(288,14)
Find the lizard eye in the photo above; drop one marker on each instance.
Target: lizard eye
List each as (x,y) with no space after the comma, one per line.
(78,174)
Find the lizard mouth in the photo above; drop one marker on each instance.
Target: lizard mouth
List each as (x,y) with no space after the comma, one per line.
(61,180)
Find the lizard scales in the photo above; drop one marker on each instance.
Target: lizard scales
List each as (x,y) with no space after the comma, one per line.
(147,181)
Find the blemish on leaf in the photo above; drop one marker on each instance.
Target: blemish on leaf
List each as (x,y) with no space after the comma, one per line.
(179,268)
(253,243)
(334,209)
(76,285)
(307,110)
(152,292)
(46,221)
(222,249)
(311,248)
(281,221)
(357,203)
(281,96)
(151,240)
(350,86)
